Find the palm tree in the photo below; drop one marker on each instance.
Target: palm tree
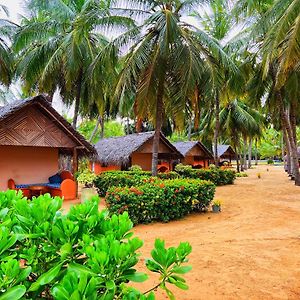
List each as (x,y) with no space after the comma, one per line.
(7,29)
(60,53)
(217,23)
(239,121)
(165,62)
(282,40)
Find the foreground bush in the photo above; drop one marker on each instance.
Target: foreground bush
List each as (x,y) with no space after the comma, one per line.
(125,178)
(158,200)
(215,175)
(84,254)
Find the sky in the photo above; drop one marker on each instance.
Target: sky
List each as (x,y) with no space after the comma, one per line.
(15,8)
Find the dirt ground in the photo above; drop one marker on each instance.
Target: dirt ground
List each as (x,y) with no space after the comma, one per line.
(249,251)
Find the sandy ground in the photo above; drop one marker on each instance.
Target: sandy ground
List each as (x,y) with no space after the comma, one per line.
(249,251)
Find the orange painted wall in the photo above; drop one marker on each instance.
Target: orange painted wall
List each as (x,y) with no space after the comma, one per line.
(97,168)
(27,164)
(144,160)
(189,160)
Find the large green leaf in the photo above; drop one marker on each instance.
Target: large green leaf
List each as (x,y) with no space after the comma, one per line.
(14,293)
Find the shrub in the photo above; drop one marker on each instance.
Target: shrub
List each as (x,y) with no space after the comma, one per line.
(215,175)
(126,178)
(270,161)
(119,179)
(157,200)
(135,168)
(84,254)
(241,174)
(181,168)
(87,178)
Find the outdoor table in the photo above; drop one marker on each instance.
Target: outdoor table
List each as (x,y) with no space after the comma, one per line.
(37,190)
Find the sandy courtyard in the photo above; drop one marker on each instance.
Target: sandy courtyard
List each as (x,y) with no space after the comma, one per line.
(249,251)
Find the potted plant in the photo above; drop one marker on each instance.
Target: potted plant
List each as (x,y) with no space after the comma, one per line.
(86,178)
(216,206)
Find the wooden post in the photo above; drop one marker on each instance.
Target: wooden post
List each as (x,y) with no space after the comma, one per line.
(75,167)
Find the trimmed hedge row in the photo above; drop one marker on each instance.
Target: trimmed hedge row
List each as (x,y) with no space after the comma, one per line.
(159,200)
(126,178)
(132,178)
(215,175)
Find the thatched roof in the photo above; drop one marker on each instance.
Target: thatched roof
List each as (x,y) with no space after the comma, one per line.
(185,147)
(118,150)
(43,103)
(224,148)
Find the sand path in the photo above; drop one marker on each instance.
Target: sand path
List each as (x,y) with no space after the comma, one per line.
(249,251)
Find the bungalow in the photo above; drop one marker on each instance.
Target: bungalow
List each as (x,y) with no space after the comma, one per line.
(33,136)
(194,153)
(119,153)
(225,154)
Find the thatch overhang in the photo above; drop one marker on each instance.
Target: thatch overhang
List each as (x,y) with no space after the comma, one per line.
(43,127)
(225,151)
(118,150)
(185,147)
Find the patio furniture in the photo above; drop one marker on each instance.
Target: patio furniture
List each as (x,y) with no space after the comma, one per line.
(37,190)
(67,189)
(12,186)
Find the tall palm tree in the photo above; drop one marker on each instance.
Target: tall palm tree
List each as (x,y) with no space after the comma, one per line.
(7,29)
(217,23)
(60,53)
(238,121)
(165,62)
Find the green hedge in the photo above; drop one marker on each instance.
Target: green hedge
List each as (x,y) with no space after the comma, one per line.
(126,178)
(215,175)
(161,200)
(83,254)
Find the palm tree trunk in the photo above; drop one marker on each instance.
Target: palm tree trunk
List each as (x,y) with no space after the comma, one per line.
(128,126)
(158,125)
(288,151)
(245,153)
(190,129)
(77,99)
(293,147)
(256,153)
(237,159)
(95,129)
(250,153)
(282,146)
(102,123)
(217,128)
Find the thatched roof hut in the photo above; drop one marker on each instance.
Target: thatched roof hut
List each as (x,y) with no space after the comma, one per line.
(119,151)
(33,136)
(194,153)
(185,147)
(225,152)
(34,122)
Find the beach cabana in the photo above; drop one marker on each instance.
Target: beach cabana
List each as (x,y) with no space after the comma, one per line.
(225,154)
(33,136)
(194,153)
(119,153)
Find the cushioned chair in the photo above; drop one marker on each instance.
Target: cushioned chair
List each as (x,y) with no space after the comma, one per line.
(12,186)
(67,189)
